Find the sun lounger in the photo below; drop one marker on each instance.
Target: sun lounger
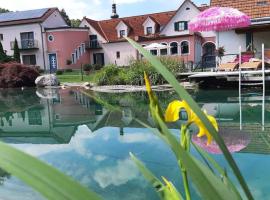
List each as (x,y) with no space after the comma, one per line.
(253,65)
(228,66)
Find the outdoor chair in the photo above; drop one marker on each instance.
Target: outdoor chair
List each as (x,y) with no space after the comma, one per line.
(231,66)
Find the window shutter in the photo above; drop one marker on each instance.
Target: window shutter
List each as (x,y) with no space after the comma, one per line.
(176,26)
(186,25)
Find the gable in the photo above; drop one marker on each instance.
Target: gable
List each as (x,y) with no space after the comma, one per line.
(94,28)
(253,8)
(186,12)
(54,20)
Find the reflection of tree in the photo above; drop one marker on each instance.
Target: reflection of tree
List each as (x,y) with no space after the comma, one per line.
(16,100)
(3,176)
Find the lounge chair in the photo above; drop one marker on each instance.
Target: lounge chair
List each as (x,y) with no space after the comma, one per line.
(232,66)
(253,64)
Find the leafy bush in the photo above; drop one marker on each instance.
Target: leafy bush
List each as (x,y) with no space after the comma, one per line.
(97,66)
(59,72)
(87,67)
(133,75)
(68,70)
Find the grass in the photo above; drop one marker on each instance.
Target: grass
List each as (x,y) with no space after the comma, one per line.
(75,77)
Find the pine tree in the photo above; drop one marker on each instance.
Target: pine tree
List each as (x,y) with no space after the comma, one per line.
(66,17)
(3,55)
(16,54)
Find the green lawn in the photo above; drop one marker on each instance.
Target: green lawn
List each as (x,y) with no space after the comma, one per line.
(75,77)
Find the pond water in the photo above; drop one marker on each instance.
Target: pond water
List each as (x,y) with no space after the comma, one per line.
(83,137)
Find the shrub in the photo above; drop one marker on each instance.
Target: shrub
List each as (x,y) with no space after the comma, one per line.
(87,67)
(68,70)
(68,62)
(17,75)
(59,72)
(97,66)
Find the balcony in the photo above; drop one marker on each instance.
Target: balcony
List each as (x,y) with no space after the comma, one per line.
(26,44)
(94,44)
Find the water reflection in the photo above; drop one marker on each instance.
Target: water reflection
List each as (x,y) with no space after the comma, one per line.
(85,138)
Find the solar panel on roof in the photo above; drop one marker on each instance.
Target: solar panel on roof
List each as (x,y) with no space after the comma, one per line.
(19,15)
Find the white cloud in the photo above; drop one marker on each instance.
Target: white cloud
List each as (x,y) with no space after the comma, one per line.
(121,173)
(128,1)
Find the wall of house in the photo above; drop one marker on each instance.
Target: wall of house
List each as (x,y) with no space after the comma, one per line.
(231,42)
(127,53)
(182,15)
(12,32)
(64,44)
(54,20)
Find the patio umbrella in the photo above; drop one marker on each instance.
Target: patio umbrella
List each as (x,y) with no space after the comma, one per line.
(235,141)
(219,19)
(155,46)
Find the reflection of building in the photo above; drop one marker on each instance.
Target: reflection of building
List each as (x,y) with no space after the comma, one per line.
(54,120)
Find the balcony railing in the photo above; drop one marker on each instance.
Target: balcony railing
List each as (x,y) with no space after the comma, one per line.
(26,44)
(94,44)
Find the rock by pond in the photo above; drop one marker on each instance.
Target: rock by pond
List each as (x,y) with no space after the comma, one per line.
(47,80)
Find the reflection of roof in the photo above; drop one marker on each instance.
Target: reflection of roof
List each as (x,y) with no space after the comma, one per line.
(57,135)
(25,17)
(253,8)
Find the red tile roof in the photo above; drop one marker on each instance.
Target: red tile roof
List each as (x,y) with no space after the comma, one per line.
(107,28)
(253,8)
(30,20)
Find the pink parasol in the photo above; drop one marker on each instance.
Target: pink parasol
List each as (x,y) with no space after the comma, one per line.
(219,19)
(234,140)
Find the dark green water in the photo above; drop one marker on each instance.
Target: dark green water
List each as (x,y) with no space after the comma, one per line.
(84,138)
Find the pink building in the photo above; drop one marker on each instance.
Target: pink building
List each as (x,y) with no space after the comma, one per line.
(68,47)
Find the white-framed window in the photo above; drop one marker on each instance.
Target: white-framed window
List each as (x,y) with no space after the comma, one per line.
(73,58)
(184,47)
(80,50)
(164,52)
(122,33)
(83,47)
(149,30)
(118,55)
(154,52)
(181,26)
(77,54)
(1,37)
(174,48)
(50,38)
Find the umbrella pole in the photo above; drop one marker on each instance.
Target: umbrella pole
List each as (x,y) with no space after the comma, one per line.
(217,59)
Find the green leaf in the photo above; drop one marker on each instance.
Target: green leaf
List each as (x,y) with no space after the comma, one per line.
(209,186)
(51,183)
(183,94)
(164,192)
(221,171)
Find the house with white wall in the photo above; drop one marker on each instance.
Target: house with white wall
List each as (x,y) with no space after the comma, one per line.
(250,38)
(28,27)
(108,46)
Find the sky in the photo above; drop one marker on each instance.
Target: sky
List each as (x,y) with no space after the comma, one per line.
(97,9)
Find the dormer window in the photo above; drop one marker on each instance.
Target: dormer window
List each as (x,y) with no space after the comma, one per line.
(181,26)
(122,33)
(149,30)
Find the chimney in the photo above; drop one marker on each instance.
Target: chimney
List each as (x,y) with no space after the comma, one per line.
(114,12)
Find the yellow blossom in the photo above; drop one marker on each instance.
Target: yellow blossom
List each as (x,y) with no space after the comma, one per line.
(172,115)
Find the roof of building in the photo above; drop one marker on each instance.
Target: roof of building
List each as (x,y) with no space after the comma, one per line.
(253,8)
(25,17)
(107,28)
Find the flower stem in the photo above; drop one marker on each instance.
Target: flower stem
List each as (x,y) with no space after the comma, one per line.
(185,140)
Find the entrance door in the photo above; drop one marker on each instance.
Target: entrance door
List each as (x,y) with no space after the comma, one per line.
(99,58)
(53,62)
(209,55)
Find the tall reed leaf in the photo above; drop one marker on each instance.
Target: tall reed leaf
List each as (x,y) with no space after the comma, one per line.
(165,192)
(48,181)
(183,94)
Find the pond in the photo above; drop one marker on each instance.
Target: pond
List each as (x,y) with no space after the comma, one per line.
(84,137)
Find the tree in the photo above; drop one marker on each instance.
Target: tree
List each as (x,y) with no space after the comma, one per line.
(16,54)
(66,17)
(3,10)
(3,55)
(75,22)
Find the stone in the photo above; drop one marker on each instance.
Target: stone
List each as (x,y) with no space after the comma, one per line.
(45,93)
(47,80)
